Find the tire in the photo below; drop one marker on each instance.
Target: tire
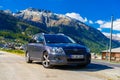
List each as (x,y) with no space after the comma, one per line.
(27,58)
(46,61)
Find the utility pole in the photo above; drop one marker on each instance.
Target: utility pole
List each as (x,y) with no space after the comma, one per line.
(111,37)
(107,52)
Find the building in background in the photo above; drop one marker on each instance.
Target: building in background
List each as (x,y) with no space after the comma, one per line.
(115,54)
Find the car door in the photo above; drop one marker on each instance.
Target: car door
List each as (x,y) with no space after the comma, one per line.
(30,48)
(37,47)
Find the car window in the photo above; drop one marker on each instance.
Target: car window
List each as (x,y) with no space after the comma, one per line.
(58,39)
(39,38)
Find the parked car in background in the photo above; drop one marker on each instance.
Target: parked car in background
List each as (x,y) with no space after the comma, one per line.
(56,49)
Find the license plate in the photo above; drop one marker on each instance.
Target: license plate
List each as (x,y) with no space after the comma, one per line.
(77,56)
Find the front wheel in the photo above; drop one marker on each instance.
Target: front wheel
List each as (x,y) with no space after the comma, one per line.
(46,61)
(27,58)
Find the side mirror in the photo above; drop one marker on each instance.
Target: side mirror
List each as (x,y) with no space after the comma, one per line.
(80,43)
(32,41)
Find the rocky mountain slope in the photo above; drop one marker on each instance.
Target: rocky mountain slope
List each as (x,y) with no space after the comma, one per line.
(12,29)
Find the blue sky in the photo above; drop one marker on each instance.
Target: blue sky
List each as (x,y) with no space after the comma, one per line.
(96,13)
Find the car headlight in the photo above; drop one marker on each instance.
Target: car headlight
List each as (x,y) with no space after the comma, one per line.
(56,50)
(87,50)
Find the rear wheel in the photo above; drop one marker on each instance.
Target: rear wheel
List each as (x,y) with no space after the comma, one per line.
(27,57)
(46,61)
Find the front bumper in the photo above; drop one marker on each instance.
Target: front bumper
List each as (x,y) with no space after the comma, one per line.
(67,60)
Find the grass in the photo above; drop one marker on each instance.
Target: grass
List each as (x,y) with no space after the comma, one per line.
(109,79)
(18,52)
(118,76)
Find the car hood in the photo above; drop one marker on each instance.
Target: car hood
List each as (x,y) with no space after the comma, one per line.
(67,46)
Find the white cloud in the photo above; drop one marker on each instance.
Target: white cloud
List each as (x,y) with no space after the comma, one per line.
(118,35)
(100,22)
(85,20)
(99,29)
(105,24)
(106,34)
(116,25)
(90,21)
(114,36)
(76,16)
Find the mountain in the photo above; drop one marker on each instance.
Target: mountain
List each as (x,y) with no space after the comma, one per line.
(48,22)
(12,29)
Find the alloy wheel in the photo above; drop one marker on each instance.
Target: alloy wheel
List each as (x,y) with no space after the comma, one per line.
(46,61)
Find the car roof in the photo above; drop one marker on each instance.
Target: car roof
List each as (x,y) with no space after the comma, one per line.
(58,34)
(49,34)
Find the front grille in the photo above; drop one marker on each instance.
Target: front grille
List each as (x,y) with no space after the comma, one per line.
(74,51)
(70,52)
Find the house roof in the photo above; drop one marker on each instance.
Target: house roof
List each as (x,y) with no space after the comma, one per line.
(113,50)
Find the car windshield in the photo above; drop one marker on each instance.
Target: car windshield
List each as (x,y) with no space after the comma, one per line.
(58,39)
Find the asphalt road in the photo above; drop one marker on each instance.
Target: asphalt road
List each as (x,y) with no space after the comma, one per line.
(13,67)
